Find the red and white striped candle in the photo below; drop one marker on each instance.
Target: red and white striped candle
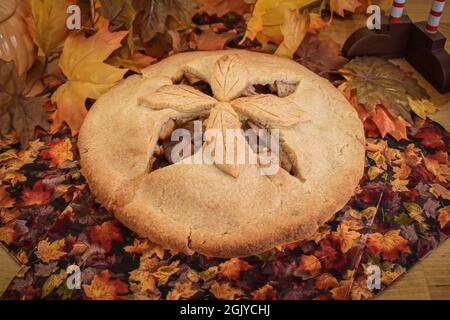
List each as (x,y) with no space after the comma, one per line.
(435,15)
(397,10)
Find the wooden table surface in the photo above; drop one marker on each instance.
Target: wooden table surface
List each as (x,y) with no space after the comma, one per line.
(429,279)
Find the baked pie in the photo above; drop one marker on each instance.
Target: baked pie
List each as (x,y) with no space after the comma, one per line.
(229,203)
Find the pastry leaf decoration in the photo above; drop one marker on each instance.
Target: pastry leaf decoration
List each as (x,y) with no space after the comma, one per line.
(269,110)
(182,98)
(223,117)
(229,78)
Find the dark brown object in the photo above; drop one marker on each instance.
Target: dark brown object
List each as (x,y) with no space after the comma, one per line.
(424,51)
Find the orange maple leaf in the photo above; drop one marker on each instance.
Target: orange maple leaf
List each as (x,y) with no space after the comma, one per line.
(88,76)
(222,7)
(266,292)
(345,236)
(209,40)
(309,264)
(103,288)
(7,233)
(224,291)
(339,6)
(389,244)
(38,195)
(326,281)
(444,216)
(395,127)
(138,246)
(5,199)
(232,268)
(47,251)
(105,234)
(342,291)
(58,151)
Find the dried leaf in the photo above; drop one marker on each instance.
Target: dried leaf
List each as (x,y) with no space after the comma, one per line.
(339,6)
(49,24)
(222,7)
(182,98)
(294,30)
(319,55)
(88,76)
(270,110)
(153,15)
(268,16)
(53,282)
(225,291)
(389,244)
(229,78)
(209,40)
(422,107)
(17,112)
(444,216)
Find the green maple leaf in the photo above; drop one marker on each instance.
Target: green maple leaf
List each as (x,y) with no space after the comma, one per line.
(380,82)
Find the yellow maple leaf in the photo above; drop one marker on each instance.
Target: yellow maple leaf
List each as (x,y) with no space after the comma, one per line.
(422,107)
(224,291)
(182,290)
(345,237)
(47,251)
(390,244)
(293,29)
(53,282)
(267,18)
(163,273)
(88,76)
(103,288)
(48,27)
(339,6)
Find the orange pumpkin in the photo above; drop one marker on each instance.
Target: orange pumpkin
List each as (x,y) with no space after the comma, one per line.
(15,41)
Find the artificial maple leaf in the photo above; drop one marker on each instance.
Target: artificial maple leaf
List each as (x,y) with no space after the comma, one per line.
(105,234)
(153,15)
(326,281)
(88,76)
(345,236)
(444,216)
(294,30)
(7,233)
(183,290)
(440,191)
(309,264)
(47,251)
(319,55)
(342,291)
(6,201)
(222,7)
(224,291)
(18,112)
(139,246)
(48,25)
(38,195)
(103,288)
(340,6)
(165,272)
(53,282)
(232,268)
(58,151)
(267,18)
(267,292)
(389,244)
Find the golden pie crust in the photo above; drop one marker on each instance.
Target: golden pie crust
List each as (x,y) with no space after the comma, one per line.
(223,211)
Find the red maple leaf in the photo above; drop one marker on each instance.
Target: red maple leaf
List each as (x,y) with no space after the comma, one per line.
(38,195)
(105,234)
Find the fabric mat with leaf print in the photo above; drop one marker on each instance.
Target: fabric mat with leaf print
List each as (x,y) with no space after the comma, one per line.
(50,220)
